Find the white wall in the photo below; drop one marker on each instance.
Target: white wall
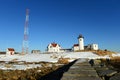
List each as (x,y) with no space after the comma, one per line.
(75,48)
(81,43)
(35,51)
(95,46)
(53,49)
(10,52)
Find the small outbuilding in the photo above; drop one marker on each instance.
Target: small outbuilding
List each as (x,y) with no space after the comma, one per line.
(35,51)
(92,47)
(10,51)
(75,47)
(2,53)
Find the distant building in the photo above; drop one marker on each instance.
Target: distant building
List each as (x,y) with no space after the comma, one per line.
(53,47)
(92,47)
(75,47)
(10,51)
(35,51)
(65,50)
(2,53)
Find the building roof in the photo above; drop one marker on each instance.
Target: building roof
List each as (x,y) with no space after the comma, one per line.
(54,44)
(80,36)
(85,47)
(36,50)
(76,45)
(11,49)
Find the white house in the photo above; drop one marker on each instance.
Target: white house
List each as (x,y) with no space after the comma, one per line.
(53,47)
(75,47)
(92,46)
(10,51)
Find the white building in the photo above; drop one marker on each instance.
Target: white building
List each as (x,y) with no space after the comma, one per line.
(66,50)
(35,51)
(92,47)
(10,51)
(53,47)
(75,47)
(81,42)
(80,45)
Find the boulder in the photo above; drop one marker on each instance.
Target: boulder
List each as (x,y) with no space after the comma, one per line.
(63,60)
(107,73)
(115,77)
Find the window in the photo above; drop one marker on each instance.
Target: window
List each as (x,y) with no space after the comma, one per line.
(95,45)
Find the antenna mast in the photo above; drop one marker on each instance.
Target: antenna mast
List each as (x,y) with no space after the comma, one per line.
(25,40)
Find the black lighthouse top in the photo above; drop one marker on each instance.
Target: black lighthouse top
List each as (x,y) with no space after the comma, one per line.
(80,36)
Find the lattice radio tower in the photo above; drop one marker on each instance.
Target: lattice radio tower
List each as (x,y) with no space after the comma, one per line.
(25,45)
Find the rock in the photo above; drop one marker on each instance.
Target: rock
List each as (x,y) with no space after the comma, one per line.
(19,71)
(38,71)
(23,78)
(116,77)
(8,65)
(111,73)
(63,60)
(32,78)
(8,79)
(107,73)
(15,77)
(97,61)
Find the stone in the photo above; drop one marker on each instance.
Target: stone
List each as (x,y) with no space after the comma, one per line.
(107,73)
(81,71)
(15,77)
(115,77)
(63,60)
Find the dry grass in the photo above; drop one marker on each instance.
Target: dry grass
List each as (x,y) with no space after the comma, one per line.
(99,52)
(29,74)
(104,52)
(115,59)
(63,60)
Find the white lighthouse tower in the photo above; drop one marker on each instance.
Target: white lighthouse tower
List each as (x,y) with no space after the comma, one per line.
(81,42)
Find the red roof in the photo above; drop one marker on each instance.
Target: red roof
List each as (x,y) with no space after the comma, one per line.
(76,45)
(11,49)
(54,44)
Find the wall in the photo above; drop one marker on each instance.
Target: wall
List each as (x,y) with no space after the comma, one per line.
(81,43)
(53,49)
(76,48)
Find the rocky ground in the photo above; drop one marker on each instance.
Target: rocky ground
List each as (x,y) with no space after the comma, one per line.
(33,73)
(29,74)
(108,69)
(105,68)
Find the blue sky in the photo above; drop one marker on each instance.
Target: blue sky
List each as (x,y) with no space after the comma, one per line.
(60,21)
